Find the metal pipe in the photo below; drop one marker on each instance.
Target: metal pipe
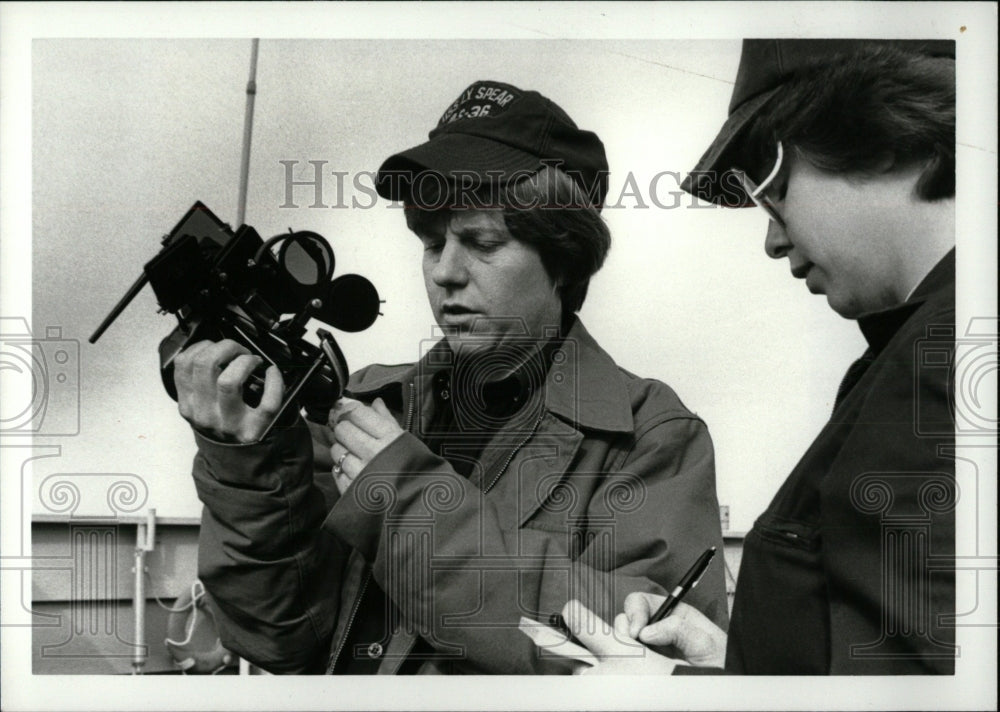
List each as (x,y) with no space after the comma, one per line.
(139,600)
(241,204)
(150,541)
(145,540)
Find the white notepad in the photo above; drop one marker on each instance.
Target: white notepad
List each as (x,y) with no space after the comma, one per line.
(554,641)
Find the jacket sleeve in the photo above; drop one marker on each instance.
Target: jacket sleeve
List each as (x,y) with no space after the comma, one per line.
(666,519)
(464,580)
(270,569)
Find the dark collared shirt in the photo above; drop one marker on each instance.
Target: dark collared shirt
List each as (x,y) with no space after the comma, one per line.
(879,327)
(472,404)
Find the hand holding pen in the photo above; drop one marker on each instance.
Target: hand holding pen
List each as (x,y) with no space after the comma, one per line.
(690,580)
(659,621)
(647,619)
(687,582)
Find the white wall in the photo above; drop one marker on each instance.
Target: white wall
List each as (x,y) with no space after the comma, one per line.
(128,133)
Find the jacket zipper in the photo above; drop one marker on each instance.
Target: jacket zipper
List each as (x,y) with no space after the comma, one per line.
(409,413)
(350,622)
(368,578)
(408,426)
(513,452)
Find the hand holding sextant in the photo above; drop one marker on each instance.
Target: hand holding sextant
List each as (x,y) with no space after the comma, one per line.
(262,294)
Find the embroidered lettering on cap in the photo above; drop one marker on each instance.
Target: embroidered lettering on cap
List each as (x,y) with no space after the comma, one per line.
(478,101)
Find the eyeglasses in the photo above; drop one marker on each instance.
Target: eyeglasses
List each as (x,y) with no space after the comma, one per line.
(757,192)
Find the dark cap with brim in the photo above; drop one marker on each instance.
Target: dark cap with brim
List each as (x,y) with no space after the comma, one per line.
(492,135)
(765,66)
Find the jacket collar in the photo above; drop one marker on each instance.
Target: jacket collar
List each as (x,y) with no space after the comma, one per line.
(879,327)
(583,386)
(940,278)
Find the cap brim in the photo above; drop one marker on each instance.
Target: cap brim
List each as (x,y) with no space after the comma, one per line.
(706,179)
(456,157)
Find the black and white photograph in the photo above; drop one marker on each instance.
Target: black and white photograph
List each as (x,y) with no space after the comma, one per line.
(650,344)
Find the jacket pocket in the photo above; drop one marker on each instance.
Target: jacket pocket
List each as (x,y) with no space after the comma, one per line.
(788,532)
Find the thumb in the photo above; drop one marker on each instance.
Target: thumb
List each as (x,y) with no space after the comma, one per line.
(600,638)
(672,630)
(379,406)
(639,607)
(698,639)
(342,409)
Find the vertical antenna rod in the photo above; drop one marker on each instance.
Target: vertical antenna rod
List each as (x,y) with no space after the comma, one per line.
(241,206)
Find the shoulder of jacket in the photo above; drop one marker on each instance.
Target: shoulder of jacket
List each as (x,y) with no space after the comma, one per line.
(377,375)
(653,401)
(933,323)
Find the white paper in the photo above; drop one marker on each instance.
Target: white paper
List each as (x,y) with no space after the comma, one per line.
(554,641)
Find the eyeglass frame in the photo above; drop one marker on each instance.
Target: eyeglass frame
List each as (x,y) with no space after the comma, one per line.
(756,192)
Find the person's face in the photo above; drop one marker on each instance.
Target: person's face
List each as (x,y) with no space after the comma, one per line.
(485,287)
(839,233)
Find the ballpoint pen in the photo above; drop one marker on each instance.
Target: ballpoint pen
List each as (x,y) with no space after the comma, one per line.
(690,580)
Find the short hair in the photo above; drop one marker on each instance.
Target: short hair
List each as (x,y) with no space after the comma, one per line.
(550,212)
(861,112)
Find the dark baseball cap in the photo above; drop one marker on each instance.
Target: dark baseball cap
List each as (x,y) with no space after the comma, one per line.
(493,133)
(766,65)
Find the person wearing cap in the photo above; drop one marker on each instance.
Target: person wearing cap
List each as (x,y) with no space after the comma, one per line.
(849,147)
(515,466)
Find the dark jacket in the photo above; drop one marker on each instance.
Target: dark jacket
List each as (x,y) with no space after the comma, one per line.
(608,489)
(850,570)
